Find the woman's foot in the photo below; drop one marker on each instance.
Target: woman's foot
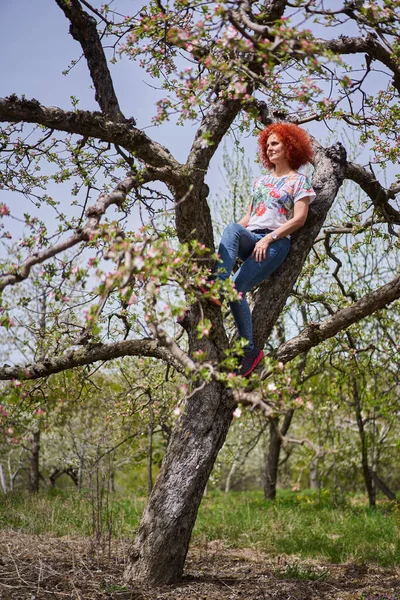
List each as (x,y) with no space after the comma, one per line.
(249,362)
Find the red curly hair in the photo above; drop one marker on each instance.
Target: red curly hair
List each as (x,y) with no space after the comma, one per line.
(296,141)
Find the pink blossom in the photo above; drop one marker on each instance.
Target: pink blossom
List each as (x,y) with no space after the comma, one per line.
(239,87)
(230,32)
(237,413)
(132,300)
(272,387)
(138,263)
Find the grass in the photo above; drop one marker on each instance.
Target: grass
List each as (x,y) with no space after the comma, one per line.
(301,525)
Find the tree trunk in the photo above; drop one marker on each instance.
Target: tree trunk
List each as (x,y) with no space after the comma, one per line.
(150,451)
(235,463)
(314,479)
(159,551)
(274,450)
(34,462)
(3,479)
(369,483)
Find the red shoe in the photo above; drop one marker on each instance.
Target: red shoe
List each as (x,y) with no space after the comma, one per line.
(250,361)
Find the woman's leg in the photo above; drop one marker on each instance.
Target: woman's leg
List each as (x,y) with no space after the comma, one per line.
(250,274)
(237,241)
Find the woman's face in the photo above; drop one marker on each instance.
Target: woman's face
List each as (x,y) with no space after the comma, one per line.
(275,149)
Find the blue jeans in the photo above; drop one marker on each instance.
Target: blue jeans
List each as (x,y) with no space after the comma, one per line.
(239,242)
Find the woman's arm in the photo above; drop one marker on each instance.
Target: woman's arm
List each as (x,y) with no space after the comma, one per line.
(300,212)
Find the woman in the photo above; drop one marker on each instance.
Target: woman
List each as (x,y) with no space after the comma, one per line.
(262,238)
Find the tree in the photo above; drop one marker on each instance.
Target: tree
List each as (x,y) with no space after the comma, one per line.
(221,66)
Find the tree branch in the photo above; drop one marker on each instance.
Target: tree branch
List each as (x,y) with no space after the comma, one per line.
(366,45)
(94,125)
(88,355)
(316,333)
(84,30)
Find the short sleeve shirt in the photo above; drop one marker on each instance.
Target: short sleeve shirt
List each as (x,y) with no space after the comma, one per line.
(275,197)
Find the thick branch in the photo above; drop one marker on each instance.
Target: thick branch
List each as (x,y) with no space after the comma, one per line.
(213,127)
(88,355)
(94,125)
(84,30)
(316,333)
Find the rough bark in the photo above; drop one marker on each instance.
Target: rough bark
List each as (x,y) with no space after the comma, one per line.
(316,333)
(150,451)
(369,45)
(161,545)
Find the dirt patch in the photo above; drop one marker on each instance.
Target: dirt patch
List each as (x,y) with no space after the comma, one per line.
(46,568)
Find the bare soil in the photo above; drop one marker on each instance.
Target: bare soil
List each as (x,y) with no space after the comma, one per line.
(46,568)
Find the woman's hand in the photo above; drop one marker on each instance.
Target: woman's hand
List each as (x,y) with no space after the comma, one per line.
(261,247)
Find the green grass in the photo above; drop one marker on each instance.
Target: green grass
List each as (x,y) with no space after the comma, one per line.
(60,512)
(299,525)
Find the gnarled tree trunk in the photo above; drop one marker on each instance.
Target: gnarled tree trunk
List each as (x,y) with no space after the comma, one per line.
(160,548)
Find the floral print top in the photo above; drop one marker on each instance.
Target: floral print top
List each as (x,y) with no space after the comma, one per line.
(275,197)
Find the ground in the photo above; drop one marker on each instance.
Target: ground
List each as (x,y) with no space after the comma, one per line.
(46,568)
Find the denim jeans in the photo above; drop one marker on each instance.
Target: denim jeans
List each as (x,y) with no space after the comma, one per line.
(239,242)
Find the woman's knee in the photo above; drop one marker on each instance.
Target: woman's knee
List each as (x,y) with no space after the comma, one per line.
(232,229)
